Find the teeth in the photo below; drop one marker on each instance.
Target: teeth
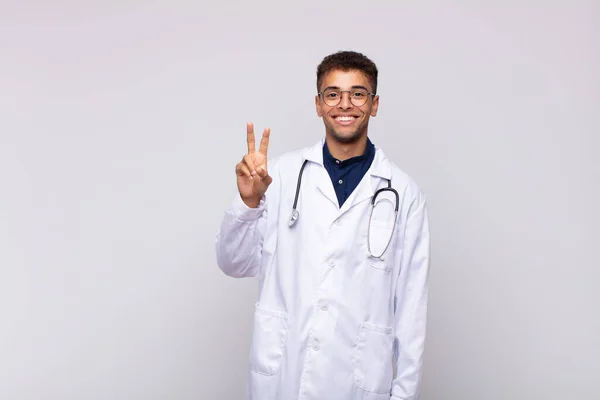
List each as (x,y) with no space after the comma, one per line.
(344,118)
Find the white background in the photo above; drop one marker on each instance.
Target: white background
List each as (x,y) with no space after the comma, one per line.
(120,126)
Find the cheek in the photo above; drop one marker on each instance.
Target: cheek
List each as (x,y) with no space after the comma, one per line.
(369,111)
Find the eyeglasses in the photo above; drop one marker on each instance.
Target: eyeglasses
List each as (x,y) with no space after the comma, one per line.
(358,97)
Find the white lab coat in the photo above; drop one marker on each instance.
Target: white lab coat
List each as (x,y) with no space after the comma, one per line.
(330,321)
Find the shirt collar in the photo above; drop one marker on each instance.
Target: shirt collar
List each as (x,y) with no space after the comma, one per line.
(369,153)
(381,166)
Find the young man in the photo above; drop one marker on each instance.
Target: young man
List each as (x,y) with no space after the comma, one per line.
(342,306)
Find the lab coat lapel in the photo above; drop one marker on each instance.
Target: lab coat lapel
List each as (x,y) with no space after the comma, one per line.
(322,179)
(326,187)
(380,170)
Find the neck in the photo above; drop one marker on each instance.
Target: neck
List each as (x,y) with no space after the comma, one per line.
(343,151)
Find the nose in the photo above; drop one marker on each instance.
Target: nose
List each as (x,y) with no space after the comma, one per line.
(345,103)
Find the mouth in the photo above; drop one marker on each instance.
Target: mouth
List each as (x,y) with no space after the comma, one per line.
(345,119)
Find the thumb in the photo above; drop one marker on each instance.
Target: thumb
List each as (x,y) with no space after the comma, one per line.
(264,175)
(267,180)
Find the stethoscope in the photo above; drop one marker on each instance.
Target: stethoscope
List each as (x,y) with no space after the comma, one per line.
(296,214)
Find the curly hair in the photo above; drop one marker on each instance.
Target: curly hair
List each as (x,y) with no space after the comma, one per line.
(346,61)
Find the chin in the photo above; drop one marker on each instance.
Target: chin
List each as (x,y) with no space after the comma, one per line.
(346,137)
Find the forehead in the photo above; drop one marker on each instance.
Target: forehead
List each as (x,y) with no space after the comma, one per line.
(345,79)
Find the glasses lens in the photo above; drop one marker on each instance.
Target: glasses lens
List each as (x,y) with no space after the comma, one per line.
(358,97)
(332,97)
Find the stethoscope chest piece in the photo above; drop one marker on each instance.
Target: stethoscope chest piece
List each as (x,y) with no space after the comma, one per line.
(295,214)
(293,218)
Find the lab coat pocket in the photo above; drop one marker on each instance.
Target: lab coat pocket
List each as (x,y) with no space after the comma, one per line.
(379,264)
(268,340)
(373,368)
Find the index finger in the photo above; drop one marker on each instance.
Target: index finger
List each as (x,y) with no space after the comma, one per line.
(250,137)
(264,141)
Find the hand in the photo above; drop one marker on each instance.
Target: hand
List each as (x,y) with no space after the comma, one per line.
(252,176)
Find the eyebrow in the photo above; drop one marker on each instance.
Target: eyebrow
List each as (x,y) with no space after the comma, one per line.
(353,87)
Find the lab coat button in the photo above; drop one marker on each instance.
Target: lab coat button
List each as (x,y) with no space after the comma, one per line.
(324,307)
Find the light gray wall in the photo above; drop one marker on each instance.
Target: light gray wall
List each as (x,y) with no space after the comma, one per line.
(120,126)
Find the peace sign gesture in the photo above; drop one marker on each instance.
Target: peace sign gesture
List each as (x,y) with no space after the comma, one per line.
(252,176)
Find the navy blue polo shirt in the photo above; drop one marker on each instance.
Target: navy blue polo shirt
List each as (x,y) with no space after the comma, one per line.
(346,175)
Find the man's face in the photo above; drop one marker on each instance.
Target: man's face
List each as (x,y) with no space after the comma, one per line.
(346,122)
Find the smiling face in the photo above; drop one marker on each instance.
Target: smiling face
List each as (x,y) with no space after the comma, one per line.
(346,122)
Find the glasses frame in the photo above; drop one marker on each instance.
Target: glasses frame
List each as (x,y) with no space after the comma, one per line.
(341,92)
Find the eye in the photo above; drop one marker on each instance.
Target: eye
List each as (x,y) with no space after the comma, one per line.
(359,94)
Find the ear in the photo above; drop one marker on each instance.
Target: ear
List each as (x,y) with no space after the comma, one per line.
(375,106)
(318,106)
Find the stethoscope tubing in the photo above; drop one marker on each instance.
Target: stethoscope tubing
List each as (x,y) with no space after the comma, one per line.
(296,214)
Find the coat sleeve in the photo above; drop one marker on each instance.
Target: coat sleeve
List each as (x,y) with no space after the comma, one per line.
(411,302)
(239,240)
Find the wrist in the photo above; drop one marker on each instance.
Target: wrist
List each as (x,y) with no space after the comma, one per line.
(251,202)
